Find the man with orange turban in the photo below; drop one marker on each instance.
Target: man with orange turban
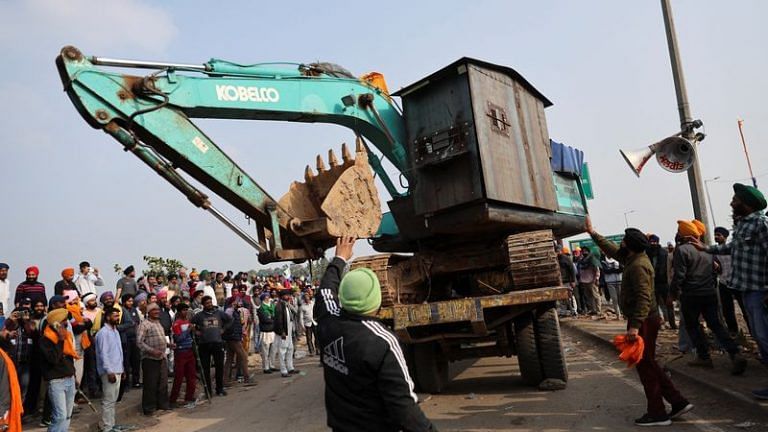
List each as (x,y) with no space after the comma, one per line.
(66,283)
(694,284)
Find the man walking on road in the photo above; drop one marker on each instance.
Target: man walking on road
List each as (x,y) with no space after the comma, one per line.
(638,305)
(694,284)
(749,262)
(367,384)
(109,365)
(150,339)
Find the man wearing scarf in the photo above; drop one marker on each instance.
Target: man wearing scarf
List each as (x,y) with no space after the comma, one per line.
(30,288)
(638,305)
(80,327)
(10,395)
(94,314)
(57,346)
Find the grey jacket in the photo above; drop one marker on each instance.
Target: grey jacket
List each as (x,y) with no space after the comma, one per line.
(694,274)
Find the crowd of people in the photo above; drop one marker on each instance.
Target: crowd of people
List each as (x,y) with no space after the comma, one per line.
(644,282)
(81,344)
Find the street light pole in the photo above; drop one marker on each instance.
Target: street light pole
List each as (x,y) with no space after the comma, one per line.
(709,199)
(626,220)
(694,172)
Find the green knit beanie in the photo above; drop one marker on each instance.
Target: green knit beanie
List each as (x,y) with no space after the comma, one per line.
(360,292)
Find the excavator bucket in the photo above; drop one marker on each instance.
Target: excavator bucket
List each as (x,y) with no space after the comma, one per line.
(341,199)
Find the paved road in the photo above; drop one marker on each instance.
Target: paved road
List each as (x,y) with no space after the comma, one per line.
(486,395)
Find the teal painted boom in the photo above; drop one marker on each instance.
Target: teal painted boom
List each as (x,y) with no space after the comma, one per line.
(156,111)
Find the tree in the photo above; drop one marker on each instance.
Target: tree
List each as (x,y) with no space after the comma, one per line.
(159,266)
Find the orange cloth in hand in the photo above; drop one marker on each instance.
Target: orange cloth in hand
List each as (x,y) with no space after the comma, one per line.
(77,315)
(17,408)
(69,346)
(631,352)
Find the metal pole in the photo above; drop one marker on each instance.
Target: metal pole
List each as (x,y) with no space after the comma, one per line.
(626,219)
(709,199)
(694,173)
(746,152)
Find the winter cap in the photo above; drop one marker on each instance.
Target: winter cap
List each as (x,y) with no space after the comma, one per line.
(360,292)
(750,196)
(151,307)
(4,266)
(56,299)
(635,240)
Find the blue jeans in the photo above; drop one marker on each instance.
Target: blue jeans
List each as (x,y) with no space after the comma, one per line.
(758,320)
(62,394)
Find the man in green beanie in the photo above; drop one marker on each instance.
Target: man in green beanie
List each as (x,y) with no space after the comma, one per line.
(367,384)
(749,262)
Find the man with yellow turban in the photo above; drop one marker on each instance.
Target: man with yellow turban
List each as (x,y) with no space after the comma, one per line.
(694,284)
(57,347)
(367,384)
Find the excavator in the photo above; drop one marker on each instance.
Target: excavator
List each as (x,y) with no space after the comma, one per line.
(467,251)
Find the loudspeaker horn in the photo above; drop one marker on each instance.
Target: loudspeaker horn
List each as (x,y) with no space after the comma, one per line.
(675,154)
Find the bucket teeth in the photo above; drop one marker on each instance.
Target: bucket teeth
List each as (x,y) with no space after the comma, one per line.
(359,145)
(308,175)
(320,164)
(332,161)
(345,155)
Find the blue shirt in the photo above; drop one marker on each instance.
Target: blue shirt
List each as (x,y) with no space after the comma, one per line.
(109,351)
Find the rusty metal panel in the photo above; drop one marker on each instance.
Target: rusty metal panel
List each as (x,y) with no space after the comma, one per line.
(512,140)
(437,312)
(442,143)
(466,309)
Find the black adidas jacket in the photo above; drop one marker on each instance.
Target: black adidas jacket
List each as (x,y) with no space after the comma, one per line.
(367,385)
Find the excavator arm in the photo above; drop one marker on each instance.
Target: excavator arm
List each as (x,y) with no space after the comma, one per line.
(150,116)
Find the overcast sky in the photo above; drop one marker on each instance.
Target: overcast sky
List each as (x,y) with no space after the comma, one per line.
(70,192)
